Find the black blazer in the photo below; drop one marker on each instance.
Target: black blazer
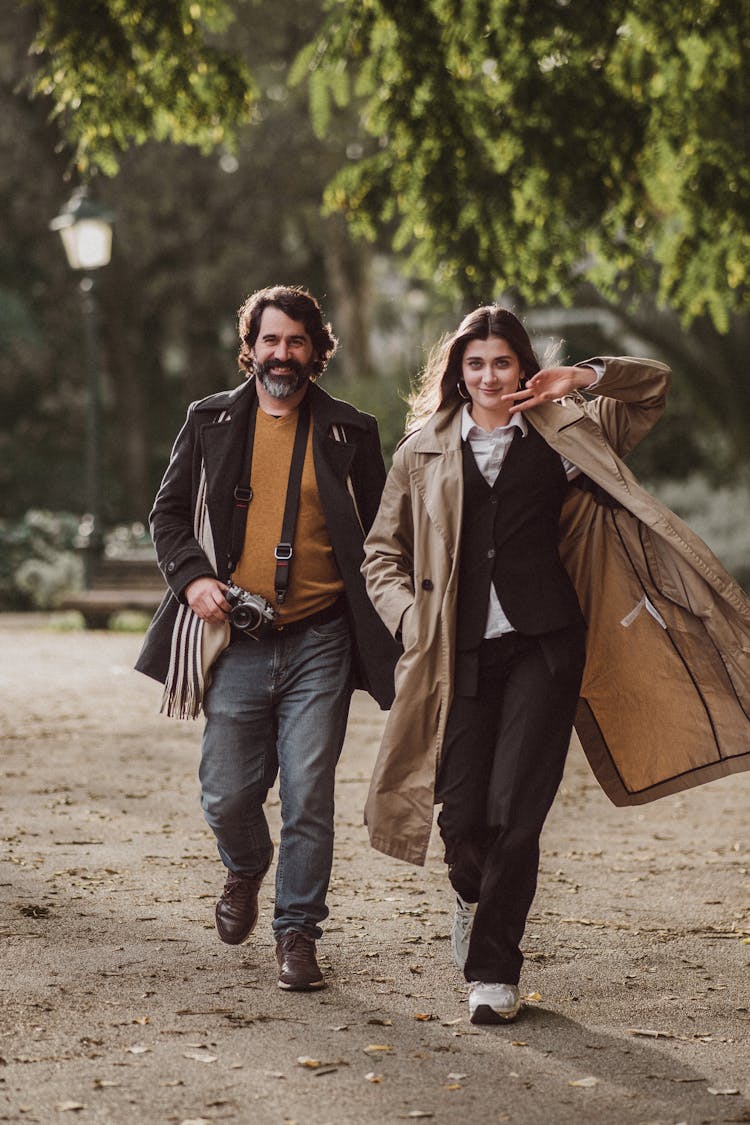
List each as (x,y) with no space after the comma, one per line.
(219,445)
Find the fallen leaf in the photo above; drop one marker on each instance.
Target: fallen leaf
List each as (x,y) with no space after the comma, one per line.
(585,1083)
(519,1043)
(143,1020)
(137,1049)
(376,1021)
(533,997)
(104,1084)
(205,1011)
(425,1017)
(375,1048)
(341,1027)
(720,1091)
(453,1086)
(305,1060)
(73,1106)
(199,1058)
(371,1076)
(457,1077)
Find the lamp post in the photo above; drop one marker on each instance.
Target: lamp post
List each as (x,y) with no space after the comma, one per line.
(86,231)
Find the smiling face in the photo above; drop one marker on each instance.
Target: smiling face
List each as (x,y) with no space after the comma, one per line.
(490,368)
(283,354)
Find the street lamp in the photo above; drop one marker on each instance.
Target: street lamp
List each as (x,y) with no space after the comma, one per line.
(86,231)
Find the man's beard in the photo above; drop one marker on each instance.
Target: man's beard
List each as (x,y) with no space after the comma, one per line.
(282,386)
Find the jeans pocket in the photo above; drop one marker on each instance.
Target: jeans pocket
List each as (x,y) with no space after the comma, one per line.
(338,627)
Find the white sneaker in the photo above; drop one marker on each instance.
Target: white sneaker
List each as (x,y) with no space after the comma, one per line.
(463,920)
(493,1003)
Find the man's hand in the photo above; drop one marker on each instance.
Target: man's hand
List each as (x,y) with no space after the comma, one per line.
(205,596)
(548,384)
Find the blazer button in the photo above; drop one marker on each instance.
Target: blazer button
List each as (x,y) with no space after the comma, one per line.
(491,553)
(171,567)
(427,584)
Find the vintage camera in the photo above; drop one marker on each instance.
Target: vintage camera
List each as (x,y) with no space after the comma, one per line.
(250,612)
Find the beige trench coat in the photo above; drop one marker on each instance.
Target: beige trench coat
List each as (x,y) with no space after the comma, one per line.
(665,698)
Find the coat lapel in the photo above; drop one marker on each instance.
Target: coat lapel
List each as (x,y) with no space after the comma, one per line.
(439,477)
(222,446)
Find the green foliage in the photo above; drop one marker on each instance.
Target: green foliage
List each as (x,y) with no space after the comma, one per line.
(525,144)
(123,72)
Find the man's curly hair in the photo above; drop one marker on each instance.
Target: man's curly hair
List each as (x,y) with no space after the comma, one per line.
(297,304)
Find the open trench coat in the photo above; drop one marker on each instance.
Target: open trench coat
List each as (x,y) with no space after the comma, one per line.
(665,698)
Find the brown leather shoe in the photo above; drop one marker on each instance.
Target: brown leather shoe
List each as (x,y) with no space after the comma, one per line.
(298,969)
(237,909)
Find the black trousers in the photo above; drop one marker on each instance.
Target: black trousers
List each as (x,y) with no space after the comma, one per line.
(502,763)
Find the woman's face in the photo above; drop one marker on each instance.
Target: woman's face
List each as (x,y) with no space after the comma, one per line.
(490,368)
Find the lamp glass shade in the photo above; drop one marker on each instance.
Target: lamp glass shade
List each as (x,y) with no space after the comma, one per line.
(88,243)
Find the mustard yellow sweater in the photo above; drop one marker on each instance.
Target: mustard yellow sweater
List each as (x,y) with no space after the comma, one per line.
(314,579)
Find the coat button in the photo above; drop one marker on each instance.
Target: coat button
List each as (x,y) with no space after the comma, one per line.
(491,553)
(427,584)
(171,567)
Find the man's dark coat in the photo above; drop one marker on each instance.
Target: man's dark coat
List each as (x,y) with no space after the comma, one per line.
(219,445)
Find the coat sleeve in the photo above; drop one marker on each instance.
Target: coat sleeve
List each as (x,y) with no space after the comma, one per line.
(631,396)
(389,549)
(180,556)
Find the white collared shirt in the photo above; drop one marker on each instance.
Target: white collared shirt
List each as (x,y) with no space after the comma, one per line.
(490,450)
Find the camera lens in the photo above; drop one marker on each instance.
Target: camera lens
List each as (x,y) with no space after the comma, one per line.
(245,617)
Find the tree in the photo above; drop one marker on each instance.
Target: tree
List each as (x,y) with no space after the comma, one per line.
(119,73)
(520,145)
(194,233)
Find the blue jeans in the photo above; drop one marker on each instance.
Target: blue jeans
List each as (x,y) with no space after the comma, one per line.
(278,703)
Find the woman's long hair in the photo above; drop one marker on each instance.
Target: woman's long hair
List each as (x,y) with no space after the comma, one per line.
(438,383)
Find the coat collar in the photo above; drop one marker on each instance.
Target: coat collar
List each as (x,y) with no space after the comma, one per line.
(442,431)
(326,410)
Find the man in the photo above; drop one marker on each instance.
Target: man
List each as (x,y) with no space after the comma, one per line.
(271,487)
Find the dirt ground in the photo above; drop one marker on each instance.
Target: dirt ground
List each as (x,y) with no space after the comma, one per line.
(119,1004)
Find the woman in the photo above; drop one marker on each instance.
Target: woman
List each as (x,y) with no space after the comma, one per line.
(511,547)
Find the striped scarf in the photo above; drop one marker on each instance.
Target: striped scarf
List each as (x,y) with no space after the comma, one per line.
(196,644)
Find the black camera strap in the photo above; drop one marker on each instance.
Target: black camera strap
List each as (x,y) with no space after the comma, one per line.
(243,495)
(285,548)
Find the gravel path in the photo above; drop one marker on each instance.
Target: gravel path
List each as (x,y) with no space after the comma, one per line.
(118,1003)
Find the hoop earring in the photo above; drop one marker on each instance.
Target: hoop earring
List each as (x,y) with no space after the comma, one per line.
(462,392)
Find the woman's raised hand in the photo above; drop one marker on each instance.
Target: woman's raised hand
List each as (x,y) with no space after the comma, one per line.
(548,384)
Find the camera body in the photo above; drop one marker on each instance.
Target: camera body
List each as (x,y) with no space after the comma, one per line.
(250,612)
